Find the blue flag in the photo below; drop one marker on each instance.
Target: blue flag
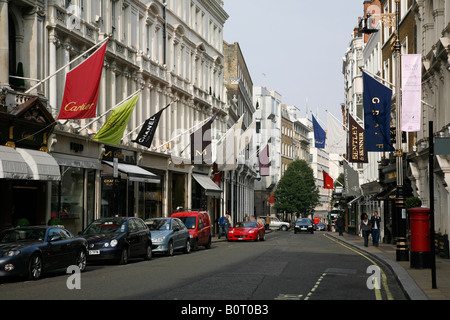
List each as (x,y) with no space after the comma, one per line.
(377,115)
(319,134)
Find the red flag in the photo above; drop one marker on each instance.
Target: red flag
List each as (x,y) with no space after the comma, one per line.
(82,87)
(327,181)
(264,162)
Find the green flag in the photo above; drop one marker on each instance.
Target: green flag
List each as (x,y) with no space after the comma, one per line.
(112,131)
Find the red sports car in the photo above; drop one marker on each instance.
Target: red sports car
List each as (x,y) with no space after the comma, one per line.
(246,231)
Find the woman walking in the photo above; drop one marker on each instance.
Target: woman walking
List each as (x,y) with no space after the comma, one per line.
(365,228)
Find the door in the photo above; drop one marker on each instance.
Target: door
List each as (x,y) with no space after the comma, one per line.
(58,253)
(133,238)
(178,238)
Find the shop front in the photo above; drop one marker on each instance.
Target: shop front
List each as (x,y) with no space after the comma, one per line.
(26,168)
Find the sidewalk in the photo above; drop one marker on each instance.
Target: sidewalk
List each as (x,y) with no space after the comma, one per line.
(417,283)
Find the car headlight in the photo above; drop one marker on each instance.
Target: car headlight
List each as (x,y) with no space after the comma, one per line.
(114,243)
(251,231)
(160,239)
(231,231)
(11,253)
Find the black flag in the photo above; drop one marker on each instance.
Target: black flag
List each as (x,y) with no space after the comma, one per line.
(201,151)
(145,136)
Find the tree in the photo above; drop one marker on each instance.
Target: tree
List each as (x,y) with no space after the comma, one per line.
(297,191)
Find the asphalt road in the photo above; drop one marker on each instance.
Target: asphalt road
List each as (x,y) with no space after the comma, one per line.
(286,266)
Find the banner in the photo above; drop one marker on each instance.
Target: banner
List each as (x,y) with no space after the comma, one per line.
(264,162)
(145,136)
(377,115)
(227,149)
(201,151)
(356,142)
(336,141)
(244,140)
(82,88)
(319,134)
(327,181)
(112,131)
(411,92)
(351,179)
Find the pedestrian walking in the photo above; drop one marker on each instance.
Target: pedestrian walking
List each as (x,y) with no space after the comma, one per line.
(340,225)
(375,222)
(365,227)
(224,224)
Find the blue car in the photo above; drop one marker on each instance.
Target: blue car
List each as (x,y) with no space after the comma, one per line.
(168,235)
(31,251)
(118,239)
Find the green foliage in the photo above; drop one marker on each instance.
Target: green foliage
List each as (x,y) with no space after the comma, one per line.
(297,190)
(413,202)
(22,222)
(54,222)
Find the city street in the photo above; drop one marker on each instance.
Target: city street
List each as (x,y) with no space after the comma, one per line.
(286,266)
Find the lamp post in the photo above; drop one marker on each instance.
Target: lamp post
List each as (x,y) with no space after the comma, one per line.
(400,211)
(402,247)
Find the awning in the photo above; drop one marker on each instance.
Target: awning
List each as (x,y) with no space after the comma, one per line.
(12,165)
(136,173)
(76,161)
(211,189)
(354,200)
(42,166)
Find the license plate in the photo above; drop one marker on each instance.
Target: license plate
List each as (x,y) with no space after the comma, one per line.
(94,252)
(303,228)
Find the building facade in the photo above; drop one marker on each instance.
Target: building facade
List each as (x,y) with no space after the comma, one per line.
(168,52)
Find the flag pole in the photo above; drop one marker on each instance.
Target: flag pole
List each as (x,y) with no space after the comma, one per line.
(103,114)
(139,126)
(200,123)
(339,122)
(68,64)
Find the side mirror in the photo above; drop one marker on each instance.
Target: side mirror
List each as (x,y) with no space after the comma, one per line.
(55,238)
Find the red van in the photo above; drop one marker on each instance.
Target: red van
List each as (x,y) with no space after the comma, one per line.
(199,227)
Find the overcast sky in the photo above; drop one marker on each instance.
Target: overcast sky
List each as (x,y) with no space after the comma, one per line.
(295,47)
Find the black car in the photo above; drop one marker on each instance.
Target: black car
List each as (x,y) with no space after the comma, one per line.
(303,224)
(118,239)
(31,251)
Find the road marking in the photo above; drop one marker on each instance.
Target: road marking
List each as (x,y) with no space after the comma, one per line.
(315,286)
(282,296)
(383,275)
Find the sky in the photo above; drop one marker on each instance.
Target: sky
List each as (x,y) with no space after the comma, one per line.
(296,47)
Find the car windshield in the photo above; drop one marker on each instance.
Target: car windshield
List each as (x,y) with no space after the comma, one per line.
(189,222)
(246,225)
(106,226)
(22,235)
(303,221)
(158,224)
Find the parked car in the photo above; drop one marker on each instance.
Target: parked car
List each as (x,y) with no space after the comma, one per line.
(320,226)
(247,230)
(199,227)
(118,239)
(276,223)
(31,251)
(303,224)
(168,235)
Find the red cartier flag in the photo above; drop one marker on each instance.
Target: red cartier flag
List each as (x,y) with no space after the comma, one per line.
(82,88)
(327,181)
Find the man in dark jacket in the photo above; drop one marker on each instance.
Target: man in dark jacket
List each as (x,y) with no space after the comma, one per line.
(340,224)
(375,221)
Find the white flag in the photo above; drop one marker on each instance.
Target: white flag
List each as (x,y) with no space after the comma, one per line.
(227,148)
(336,137)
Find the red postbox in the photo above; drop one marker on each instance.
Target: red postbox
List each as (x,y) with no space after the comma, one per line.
(421,253)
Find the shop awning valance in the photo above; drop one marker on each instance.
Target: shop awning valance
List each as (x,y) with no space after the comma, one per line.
(135,173)
(41,165)
(211,189)
(12,165)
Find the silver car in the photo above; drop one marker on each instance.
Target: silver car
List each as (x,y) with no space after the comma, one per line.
(168,235)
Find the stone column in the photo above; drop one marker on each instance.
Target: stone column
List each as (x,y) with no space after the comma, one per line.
(4,44)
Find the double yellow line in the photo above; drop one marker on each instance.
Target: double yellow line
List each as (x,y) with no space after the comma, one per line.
(378,295)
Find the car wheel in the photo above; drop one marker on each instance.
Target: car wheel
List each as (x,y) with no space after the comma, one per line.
(81,260)
(195,247)
(263,237)
(123,256)
(257,237)
(170,249)
(35,267)
(148,252)
(283,228)
(187,248)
